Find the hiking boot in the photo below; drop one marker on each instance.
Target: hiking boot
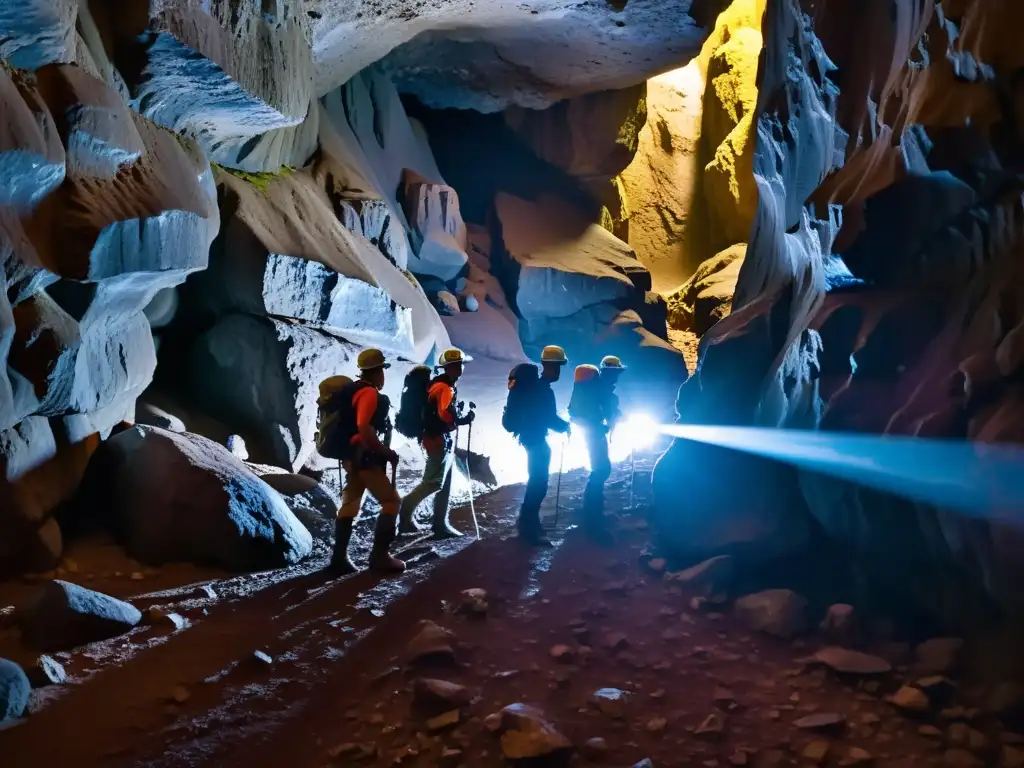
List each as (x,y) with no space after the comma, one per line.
(595,526)
(534,537)
(442,529)
(341,564)
(381,560)
(531,532)
(407,524)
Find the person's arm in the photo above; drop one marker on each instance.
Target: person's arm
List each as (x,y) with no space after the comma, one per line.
(555,422)
(366,406)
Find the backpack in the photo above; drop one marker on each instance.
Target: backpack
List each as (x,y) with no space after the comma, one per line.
(336,418)
(585,405)
(413,406)
(522,384)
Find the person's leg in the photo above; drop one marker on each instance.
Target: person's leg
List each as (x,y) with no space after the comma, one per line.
(539,463)
(351,502)
(379,485)
(442,527)
(593,496)
(433,477)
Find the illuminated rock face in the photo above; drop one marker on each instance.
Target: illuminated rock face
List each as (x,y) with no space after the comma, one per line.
(906,164)
(101,210)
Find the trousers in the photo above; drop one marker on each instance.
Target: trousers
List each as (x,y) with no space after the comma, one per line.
(437,478)
(360,480)
(600,470)
(538,456)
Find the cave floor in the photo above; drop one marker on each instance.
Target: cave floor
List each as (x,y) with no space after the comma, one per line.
(337,688)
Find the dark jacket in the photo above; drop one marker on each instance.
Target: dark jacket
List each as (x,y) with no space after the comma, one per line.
(545,416)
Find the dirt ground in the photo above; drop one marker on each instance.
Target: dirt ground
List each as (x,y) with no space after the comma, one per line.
(334,684)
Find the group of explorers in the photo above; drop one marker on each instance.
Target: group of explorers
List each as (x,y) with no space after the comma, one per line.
(355,428)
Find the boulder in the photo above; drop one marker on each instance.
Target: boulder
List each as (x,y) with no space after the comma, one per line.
(841,625)
(440,695)
(849,662)
(707,296)
(65,616)
(14,690)
(180,497)
(779,612)
(555,264)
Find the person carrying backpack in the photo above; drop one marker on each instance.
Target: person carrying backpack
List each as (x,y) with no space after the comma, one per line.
(530,413)
(358,420)
(595,408)
(440,419)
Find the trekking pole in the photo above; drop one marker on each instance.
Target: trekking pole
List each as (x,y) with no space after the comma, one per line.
(558,484)
(632,475)
(469,480)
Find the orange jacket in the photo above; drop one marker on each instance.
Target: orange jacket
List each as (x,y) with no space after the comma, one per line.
(441,396)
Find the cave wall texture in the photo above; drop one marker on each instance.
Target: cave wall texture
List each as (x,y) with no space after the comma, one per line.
(209,205)
(247,192)
(881,288)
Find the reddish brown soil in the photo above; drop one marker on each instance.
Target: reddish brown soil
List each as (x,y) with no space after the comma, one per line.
(339,675)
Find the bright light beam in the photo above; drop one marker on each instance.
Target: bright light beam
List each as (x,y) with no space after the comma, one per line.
(952,474)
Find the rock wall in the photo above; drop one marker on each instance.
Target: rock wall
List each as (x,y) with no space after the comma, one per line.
(101,209)
(880,290)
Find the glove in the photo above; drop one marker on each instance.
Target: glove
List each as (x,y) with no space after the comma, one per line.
(392,457)
(469,418)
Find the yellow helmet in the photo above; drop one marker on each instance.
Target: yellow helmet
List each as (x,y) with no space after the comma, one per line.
(611,361)
(370,359)
(330,385)
(553,354)
(451,357)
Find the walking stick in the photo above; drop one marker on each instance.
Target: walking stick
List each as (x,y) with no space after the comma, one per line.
(632,475)
(469,479)
(558,484)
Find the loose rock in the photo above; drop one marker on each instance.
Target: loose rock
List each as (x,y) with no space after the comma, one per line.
(14,690)
(816,751)
(1011,758)
(473,602)
(46,671)
(440,695)
(610,701)
(850,662)
(446,720)
(779,612)
(910,699)
(431,643)
(840,625)
(857,756)
(595,749)
(712,577)
(66,615)
(562,653)
(528,734)
(825,722)
(712,728)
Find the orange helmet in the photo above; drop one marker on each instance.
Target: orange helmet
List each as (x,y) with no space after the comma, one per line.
(585,372)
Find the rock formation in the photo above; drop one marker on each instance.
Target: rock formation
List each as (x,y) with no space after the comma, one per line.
(903,158)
